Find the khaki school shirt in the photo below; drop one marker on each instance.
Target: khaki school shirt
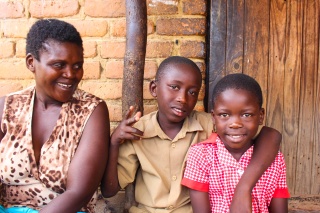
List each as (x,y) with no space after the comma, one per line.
(157,163)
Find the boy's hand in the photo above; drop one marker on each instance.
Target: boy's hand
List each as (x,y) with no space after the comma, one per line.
(241,202)
(125,131)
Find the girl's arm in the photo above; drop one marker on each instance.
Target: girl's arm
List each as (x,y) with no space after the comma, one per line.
(266,147)
(87,166)
(200,201)
(278,205)
(124,131)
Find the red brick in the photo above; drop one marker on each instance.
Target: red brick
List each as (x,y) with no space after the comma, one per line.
(91,28)
(150,69)
(53,8)
(115,112)
(202,93)
(194,7)
(114,69)
(91,70)
(16,28)
(21,48)
(118,28)
(90,49)
(159,49)
(193,49)
(11,9)
(163,7)
(8,87)
(7,49)
(105,90)
(202,67)
(181,26)
(146,93)
(105,8)
(149,108)
(113,49)
(14,70)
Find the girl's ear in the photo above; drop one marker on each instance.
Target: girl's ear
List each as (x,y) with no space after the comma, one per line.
(30,62)
(153,88)
(261,116)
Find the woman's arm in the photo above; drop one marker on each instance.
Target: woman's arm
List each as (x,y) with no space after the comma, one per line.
(266,147)
(278,205)
(200,201)
(2,100)
(87,166)
(124,131)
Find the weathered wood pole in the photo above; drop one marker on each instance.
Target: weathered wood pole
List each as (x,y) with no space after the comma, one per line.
(134,59)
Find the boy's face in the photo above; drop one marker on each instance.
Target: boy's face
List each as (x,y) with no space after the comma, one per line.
(59,70)
(176,92)
(237,116)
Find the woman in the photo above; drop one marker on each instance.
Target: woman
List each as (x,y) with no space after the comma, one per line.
(54,137)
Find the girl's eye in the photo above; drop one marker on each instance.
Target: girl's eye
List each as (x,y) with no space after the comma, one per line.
(193,93)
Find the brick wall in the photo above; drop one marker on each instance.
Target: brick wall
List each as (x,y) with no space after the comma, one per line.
(175,27)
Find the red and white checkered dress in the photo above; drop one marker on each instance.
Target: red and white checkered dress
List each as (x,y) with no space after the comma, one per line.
(211,168)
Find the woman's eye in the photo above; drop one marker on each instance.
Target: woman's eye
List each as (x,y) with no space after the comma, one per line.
(77,66)
(58,65)
(224,115)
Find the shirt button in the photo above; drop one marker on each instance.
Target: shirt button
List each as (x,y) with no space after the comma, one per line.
(174,177)
(170,207)
(173,145)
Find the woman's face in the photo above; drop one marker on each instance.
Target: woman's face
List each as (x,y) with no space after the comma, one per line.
(58,72)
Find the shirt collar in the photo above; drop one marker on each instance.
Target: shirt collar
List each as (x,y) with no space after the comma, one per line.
(228,160)
(151,128)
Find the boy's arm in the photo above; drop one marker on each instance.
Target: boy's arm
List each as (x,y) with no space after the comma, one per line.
(200,201)
(278,205)
(266,147)
(110,182)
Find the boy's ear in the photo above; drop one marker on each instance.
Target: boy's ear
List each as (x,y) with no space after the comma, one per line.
(30,62)
(261,116)
(153,88)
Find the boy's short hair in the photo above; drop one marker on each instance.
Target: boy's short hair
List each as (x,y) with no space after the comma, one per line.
(50,29)
(238,81)
(174,60)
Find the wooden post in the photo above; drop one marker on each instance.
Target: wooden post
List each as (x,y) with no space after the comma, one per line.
(132,85)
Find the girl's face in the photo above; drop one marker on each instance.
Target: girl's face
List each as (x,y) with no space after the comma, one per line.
(237,116)
(58,72)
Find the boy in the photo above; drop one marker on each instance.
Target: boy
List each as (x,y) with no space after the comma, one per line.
(215,165)
(155,155)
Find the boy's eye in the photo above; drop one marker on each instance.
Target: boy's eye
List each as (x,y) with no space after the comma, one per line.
(173,87)
(247,115)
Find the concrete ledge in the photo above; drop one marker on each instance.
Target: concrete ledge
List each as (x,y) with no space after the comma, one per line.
(297,204)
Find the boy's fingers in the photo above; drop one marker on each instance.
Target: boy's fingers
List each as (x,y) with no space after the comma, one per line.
(129,112)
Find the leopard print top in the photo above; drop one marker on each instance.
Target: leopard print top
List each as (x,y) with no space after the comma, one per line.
(23,183)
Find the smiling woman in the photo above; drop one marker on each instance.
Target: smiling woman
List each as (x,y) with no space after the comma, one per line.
(54,137)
